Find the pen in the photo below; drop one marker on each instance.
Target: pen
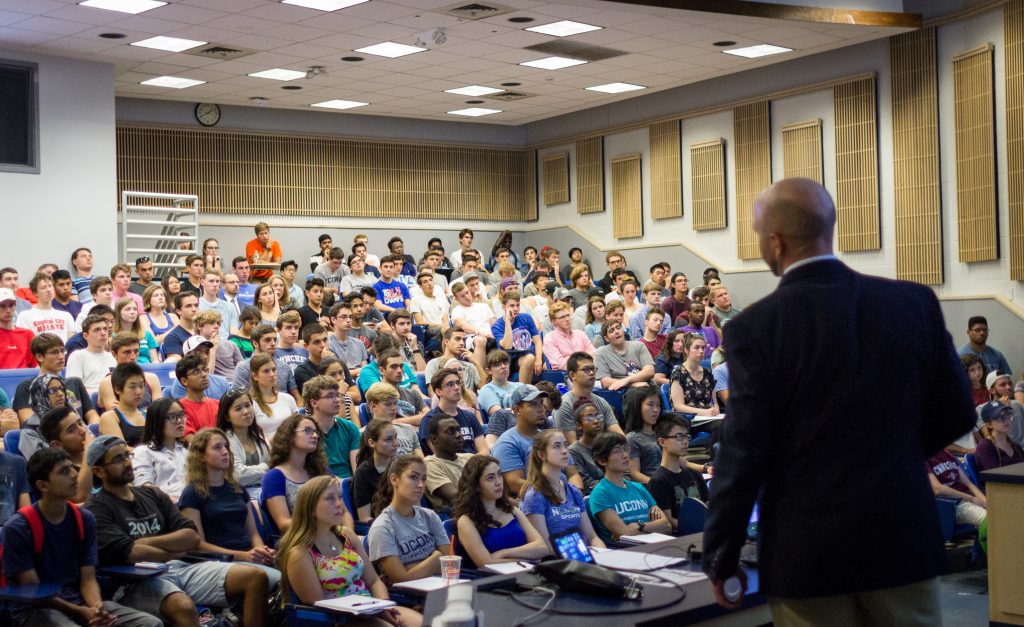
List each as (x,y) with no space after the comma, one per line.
(364,604)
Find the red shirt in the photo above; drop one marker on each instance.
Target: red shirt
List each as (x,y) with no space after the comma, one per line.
(199,415)
(655,347)
(254,250)
(14,349)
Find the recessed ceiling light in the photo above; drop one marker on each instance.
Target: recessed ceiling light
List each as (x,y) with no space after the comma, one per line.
(474,112)
(565,28)
(173,82)
(474,90)
(615,88)
(278,74)
(352,59)
(553,63)
(291,87)
(339,104)
(724,44)
(760,50)
(112,35)
(324,5)
(522,19)
(123,6)
(391,50)
(170,44)
(512,84)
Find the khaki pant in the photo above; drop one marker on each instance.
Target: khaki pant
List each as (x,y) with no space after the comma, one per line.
(914,604)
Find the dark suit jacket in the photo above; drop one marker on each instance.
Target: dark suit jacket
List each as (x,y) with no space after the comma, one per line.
(841,385)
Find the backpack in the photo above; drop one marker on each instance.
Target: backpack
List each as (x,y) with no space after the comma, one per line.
(35,525)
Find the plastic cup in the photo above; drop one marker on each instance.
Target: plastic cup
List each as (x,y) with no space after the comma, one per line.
(450,567)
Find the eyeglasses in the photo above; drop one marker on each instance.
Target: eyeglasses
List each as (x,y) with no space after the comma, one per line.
(309,431)
(452,384)
(55,391)
(176,417)
(591,418)
(680,437)
(587,370)
(563,317)
(200,370)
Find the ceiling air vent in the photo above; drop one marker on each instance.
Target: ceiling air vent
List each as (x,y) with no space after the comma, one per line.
(576,50)
(218,51)
(509,95)
(474,10)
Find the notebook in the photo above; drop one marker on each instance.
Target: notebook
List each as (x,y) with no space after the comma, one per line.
(355,604)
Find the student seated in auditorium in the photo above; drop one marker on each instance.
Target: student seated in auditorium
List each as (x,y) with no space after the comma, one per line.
(406,540)
(614,259)
(223,356)
(620,363)
(430,308)
(977,344)
(412,407)
(43,317)
(219,508)
(210,300)
(616,311)
(359,248)
(126,320)
(404,264)
(360,275)
(563,341)
(200,410)
(159,458)
(674,480)
(289,354)
(693,386)
(490,528)
(263,250)
(641,408)
(187,306)
(81,266)
(517,335)
(949,480)
(268,304)
(652,338)
(63,429)
(264,341)
(124,419)
(722,305)
(974,368)
(77,341)
(217,385)
(158,318)
(445,466)
(475,319)
(326,243)
(512,448)
(496,394)
(638,321)
(47,349)
(589,424)
(144,270)
(431,262)
(582,375)
(339,437)
(366,320)
(296,295)
(272,406)
(322,558)
(315,339)
(401,325)
(92,364)
(332,272)
(503,256)
(702,325)
(62,291)
(350,350)
(371,373)
(102,290)
(378,446)
(137,524)
(995,448)
(551,256)
(619,506)
(313,309)
(550,502)
(193,281)
(67,557)
(447,386)
(453,347)
(672,354)
(1000,388)
(250,451)
(246,289)
(382,402)
(391,293)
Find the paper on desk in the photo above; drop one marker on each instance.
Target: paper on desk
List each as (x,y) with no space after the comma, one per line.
(427,584)
(645,538)
(509,568)
(635,560)
(703,420)
(355,604)
(671,577)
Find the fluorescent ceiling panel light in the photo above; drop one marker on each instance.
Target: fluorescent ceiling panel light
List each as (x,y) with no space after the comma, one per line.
(324,5)
(474,112)
(760,50)
(339,104)
(615,88)
(170,44)
(565,28)
(553,63)
(474,90)
(391,50)
(123,6)
(278,74)
(174,82)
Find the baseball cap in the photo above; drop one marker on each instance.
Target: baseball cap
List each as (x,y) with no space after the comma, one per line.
(472,274)
(526,393)
(193,343)
(7,295)
(993,409)
(994,376)
(99,448)
(506,282)
(561,293)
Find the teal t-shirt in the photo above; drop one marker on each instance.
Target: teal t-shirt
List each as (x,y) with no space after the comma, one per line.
(632,503)
(340,441)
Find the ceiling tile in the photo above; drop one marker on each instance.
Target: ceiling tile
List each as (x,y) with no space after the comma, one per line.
(35,7)
(145,24)
(51,25)
(25,37)
(12,17)
(242,23)
(187,14)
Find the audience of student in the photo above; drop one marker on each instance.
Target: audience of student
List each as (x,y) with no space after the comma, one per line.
(497,393)
(157,319)
(563,341)
(43,393)
(265,299)
(92,364)
(622,363)
(191,371)
(321,557)
(975,369)
(518,336)
(453,347)
(589,424)
(582,375)
(977,344)
(491,529)
(187,306)
(512,448)
(995,448)
(62,294)
(15,339)
(350,350)
(673,480)
(340,437)
(445,466)
(382,400)
(722,304)
(693,386)
(406,540)
(126,320)
(63,429)
(672,354)
(216,385)
(159,457)
(272,407)
(411,407)
(378,445)
(250,452)
(262,250)
(641,408)
(43,317)
(651,336)
(102,290)
(447,385)
(223,356)
(125,420)
(949,480)
(619,506)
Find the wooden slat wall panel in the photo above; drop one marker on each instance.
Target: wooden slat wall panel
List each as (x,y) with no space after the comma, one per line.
(753,156)
(707,181)
(555,176)
(252,173)
(915,136)
(1013,25)
(590,175)
(666,172)
(974,122)
(801,150)
(857,165)
(627,200)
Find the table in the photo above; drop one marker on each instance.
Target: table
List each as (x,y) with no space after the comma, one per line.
(1004,489)
(32,593)
(698,607)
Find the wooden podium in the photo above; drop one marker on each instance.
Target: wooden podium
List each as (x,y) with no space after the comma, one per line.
(1004,488)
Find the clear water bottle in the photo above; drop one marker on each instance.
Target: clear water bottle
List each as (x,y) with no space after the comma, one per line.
(458,611)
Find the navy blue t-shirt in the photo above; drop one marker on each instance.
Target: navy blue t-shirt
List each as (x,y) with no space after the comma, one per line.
(470,428)
(392,294)
(63,553)
(173,342)
(223,514)
(13,483)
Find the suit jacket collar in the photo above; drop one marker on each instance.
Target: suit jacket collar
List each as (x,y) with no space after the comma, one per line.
(815,269)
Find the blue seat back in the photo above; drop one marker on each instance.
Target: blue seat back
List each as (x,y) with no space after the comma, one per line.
(364,414)
(554,376)
(9,379)
(421,380)
(666,397)
(971,469)
(613,398)
(693,513)
(12,440)
(163,371)
(346,495)
(94,429)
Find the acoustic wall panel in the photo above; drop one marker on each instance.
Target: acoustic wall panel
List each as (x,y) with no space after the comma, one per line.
(857,165)
(627,197)
(753,162)
(707,182)
(666,173)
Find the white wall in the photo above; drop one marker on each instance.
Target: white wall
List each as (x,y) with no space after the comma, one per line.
(72,201)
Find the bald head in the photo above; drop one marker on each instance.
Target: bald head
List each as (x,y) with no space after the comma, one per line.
(794,219)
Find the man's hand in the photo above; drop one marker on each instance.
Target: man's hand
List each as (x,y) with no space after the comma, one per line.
(538,366)
(718,587)
(97,616)
(617,384)
(655,513)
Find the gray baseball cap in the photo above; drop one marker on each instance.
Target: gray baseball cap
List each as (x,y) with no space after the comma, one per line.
(99,448)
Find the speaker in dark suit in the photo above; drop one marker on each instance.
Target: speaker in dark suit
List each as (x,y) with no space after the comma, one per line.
(841,385)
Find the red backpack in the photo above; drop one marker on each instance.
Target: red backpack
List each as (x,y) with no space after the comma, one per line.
(35,524)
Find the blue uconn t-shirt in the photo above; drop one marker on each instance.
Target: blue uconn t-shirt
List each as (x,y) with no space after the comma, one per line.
(558,518)
(410,539)
(523,330)
(392,294)
(632,503)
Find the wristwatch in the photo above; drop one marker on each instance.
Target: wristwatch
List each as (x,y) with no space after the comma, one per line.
(642,525)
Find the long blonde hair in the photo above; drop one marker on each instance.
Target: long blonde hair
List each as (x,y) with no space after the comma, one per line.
(301,535)
(535,477)
(195,464)
(136,329)
(255,364)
